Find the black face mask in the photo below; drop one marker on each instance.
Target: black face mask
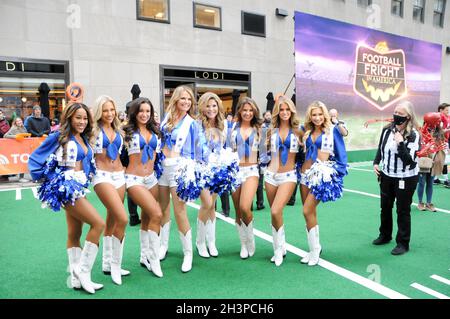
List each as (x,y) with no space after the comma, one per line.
(399,120)
(267,121)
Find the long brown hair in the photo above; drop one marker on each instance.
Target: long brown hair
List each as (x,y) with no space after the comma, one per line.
(132,125)
(66,128)
(256,120)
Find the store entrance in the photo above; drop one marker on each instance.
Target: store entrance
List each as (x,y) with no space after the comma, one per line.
(225,92)
(228,85)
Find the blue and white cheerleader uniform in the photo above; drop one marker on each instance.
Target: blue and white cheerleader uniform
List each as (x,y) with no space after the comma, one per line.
(117,179)
(149,151)
(223,164)
(61,183)
(325,178)
(283,148)
(187,171)
(246,148)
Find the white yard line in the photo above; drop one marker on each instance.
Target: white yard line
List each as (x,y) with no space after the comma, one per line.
(362,169)
(378,196)
(35,194)
(18,194)
(441,279)
(372,285)
(429,291)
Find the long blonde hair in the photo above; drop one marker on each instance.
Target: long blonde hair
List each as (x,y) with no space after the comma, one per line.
(172,107)
(97,111)
(220,117)
(294,121)
(309,125)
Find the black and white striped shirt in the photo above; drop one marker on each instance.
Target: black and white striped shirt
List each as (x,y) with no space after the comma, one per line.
(398,160)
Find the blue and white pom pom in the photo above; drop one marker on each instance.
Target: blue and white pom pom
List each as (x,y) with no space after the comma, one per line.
(190,178)
(59,187)
(158,167)
(323,181)
(223,171)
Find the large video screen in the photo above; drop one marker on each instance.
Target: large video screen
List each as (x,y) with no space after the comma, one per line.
(363,73)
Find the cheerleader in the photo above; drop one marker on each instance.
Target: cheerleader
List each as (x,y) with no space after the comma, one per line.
(215,126)
(246,140)
(280,176)
(322,172)
(65,162)
(182,139)
(143,142)
(109,184)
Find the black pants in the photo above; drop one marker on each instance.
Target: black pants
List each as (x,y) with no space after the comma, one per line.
(390,192)
(260,191)
(225,200)
(132,208)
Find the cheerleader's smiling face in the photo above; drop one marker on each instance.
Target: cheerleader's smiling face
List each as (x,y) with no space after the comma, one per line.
(184,103)
(285,112)
(144,114)
(317,117)
(79,121)
(212,109)
(108,112)
(247,113)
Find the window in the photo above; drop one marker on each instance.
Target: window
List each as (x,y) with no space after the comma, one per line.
(364,3)
(206,16)
(397,8)
(153,10)
(419,10)
(438,15)
(253,24)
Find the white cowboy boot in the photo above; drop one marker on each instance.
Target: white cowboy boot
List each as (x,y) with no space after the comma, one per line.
(164,235)
(83,270)
(243,239)
(153,253)
(316,249)
(106,256)
(305,259)
(278,245)
(283,242)
(116,260)
(143,238)
(211,237)
(250,238)
(186,241)
(74,254)
(200,242)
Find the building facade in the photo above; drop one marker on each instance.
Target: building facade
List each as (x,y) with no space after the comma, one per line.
(243,46)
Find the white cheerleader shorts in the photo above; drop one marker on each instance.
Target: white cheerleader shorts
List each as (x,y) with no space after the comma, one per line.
(148,181)
(116,179)
(246,172)
(170,166)
(276,179)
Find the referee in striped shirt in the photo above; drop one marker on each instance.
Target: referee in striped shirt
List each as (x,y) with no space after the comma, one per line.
(396,166)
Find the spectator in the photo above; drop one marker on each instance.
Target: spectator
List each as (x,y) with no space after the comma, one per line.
(426,175)
(230,117)
(122,117)
(37,124)
(444,109)
(17,128)
(4,125)
(54,125)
